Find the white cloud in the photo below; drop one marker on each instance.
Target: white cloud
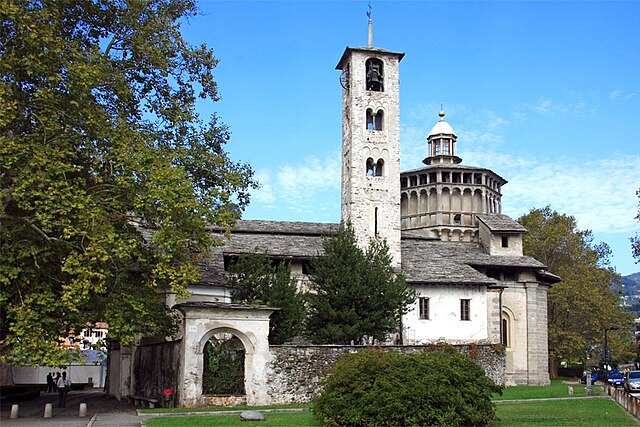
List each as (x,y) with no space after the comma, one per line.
(309,191)
(600,194)
(615,94)
(623,94)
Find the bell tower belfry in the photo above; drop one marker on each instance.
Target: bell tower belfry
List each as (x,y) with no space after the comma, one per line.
(371,143)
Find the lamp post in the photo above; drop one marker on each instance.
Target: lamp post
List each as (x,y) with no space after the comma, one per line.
(606,345)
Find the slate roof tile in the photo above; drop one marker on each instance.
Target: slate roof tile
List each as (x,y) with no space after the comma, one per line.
(424,260)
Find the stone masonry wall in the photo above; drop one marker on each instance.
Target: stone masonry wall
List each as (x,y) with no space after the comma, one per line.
(295,373)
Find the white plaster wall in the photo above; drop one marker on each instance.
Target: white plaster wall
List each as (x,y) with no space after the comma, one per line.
(78,374)
(492,243)
(444,323)
(124,386)
(514,299)
(515,245)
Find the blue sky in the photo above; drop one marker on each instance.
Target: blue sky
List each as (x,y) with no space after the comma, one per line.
(546,94)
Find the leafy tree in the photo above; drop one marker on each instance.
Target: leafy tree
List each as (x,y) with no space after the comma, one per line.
(255,279)
(635,240)
(582,305)
(378,388)
(108,175)
(356,295)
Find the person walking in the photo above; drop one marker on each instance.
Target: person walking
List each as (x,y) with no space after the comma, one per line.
(50,382)
(64,385)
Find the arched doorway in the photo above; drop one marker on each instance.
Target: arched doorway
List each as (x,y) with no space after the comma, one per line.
(223,366)
(239,332)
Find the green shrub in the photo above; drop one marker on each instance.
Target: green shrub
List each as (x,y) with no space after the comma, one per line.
(374,387)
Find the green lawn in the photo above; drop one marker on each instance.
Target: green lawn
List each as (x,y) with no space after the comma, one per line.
(579,412)
(219,409)
(557,389)
(297,419)
(576,412)
(582,412)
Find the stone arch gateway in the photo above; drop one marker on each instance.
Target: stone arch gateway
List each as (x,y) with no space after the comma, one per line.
(203,320)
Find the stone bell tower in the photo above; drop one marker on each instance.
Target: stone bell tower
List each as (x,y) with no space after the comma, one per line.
(371,143)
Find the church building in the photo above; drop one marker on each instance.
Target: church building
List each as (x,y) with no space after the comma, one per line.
(444,226)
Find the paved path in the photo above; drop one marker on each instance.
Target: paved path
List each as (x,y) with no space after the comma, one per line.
(102,411)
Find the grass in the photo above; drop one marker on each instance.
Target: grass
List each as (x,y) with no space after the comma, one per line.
(297,419)
(219,409)
(557,389)
(552,413)
(591,413)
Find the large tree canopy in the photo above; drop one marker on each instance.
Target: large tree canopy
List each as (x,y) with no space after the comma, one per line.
(355,294)
(582,305)
(108,174)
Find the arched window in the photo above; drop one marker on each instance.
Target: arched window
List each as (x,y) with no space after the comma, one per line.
(505,330)
(380,168)
(375,76)
(374,120)
(370,167)
(369,119)
(377,125)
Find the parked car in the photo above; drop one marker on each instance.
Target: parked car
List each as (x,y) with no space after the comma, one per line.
(615,378)
(632,381)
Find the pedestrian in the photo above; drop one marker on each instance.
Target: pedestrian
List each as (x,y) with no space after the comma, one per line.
(55,381)
(50,382)
(64,385)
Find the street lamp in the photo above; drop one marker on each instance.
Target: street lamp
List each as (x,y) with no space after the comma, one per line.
(606,345)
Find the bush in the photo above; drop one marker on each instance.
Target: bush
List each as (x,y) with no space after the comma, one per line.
(374,387)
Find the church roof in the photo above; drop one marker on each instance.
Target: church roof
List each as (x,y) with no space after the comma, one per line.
(435,261)
(283,227)
(424,260)
(501,223)
(442,128)
(365,49)
(276,239)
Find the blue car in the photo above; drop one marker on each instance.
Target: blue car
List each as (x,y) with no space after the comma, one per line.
(615,378)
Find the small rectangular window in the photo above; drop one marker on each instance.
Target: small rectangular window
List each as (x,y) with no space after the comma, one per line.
(423,304)
(505,241)
(465,309)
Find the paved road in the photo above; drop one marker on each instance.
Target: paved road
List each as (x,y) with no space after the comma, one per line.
(102,411)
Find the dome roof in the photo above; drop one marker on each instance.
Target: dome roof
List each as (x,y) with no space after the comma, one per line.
(442,127)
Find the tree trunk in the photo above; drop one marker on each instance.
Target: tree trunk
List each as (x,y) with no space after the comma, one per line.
(554,364)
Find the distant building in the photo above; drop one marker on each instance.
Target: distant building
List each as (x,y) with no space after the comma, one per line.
(89,337)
